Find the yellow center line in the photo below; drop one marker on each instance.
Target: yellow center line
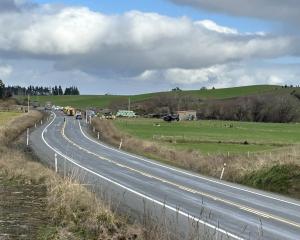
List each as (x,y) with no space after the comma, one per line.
(240,206)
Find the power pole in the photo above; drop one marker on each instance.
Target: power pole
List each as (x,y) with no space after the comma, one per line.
(129,103)
(28,103)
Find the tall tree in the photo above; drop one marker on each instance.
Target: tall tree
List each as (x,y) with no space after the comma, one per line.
(60,91)
(2,89)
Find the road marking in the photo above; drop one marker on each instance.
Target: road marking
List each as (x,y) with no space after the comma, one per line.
(187,189)
(186,173)
(176,210)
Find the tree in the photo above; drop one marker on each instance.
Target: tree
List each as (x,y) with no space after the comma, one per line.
(177,89)
(2,89)
(60,91)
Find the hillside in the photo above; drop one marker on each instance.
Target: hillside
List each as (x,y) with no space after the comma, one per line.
(103,101)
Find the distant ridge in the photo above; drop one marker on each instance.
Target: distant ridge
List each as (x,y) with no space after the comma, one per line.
(103,101)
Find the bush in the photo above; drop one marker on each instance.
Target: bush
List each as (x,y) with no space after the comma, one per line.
(266,108)
(283,178)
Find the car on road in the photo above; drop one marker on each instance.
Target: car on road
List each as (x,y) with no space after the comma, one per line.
(78,115)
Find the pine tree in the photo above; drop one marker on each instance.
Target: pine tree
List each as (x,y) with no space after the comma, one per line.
(60,91)
(2,89)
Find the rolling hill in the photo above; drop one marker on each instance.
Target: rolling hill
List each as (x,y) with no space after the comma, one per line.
(103,101)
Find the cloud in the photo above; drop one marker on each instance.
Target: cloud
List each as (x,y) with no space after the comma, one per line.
(131,43)
(210,25)
(278,10)
(8,6)
(134,51)
(227,75)
(5,71)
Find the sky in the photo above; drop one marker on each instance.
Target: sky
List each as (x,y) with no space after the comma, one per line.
(133,46)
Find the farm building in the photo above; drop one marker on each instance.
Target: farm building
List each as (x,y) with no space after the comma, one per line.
(187,115)
(125,113)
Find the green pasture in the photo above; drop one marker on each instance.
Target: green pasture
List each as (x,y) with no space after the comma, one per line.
(214,137)
(224,93)
(104,101)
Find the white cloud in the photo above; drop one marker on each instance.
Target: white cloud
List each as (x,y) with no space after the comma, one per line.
(210,25)
(134,49)
(129,44)
(227,75)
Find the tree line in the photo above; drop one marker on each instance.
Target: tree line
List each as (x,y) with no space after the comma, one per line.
(268,107)
(9,91)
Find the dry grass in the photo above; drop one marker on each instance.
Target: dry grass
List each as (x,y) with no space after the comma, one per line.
(238,167)
(16,126)
(76,213)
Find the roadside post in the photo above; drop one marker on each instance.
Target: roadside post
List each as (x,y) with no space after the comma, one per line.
(35,125)
(90,119)
(55,158)
(27,137)
(86,117)
(222,173)
(41,122)
(98,135)
(120,146)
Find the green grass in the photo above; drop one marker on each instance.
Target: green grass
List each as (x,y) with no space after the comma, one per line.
(103,101)
(85,101)
(233,92)
(214,136)
(7,116)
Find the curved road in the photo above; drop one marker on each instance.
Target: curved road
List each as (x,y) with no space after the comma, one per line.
(219,209)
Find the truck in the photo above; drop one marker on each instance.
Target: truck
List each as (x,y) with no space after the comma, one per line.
(48,106)
(69,111)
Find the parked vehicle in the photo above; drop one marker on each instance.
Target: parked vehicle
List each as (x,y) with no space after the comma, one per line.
(170,118)
(107,115)
(125,113)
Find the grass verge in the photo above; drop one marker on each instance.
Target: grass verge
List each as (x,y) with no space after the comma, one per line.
(16,125)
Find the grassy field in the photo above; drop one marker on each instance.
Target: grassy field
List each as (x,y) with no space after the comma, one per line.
(214,136)
(103,101)
(233,92)
(84,101)
(7,116)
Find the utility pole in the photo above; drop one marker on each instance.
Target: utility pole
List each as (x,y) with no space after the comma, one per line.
(28,103)
(129,103)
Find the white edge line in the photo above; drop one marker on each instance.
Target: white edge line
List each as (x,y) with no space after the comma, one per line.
(138,193)
(186,173)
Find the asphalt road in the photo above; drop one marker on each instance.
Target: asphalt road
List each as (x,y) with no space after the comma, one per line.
(195,204)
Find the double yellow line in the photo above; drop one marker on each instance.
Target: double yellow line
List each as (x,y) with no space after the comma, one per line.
(187,189)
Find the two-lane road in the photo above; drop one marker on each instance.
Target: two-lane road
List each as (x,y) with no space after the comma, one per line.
(227,210)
